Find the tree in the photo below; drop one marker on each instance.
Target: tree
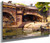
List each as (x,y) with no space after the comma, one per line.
(43,8)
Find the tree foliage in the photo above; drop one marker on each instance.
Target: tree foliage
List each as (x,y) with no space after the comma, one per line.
(41,5)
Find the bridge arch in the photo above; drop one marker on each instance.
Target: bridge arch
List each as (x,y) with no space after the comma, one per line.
(8,15)
(7,11)
(8,19)
(10,12)
(30,17)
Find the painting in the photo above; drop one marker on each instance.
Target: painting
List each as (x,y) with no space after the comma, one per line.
(21,20)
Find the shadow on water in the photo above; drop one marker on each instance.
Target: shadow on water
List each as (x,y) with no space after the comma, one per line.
(23,38)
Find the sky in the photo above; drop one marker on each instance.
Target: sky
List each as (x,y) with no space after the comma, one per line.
(26,2)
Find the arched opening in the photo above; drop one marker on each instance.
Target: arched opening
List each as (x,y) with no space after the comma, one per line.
(7,19)
(30,18)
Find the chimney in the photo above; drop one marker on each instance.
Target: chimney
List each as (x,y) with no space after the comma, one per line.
(9,1)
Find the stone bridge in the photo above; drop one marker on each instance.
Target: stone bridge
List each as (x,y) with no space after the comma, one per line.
(11,11)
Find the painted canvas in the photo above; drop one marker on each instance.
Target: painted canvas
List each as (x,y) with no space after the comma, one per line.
(21,20)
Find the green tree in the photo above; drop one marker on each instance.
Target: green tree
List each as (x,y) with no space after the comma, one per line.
(43,7)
